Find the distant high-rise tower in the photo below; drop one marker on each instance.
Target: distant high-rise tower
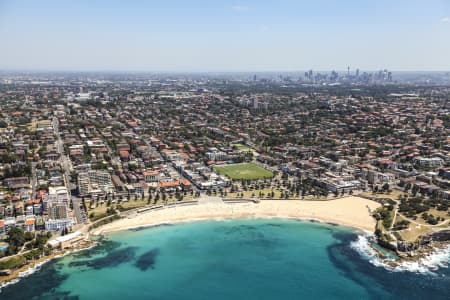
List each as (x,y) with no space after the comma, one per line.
(348,71)
(255,103)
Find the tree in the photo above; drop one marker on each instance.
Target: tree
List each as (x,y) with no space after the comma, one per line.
(407,187)
(414,190)
(375,189)
(378,232)
(16,239)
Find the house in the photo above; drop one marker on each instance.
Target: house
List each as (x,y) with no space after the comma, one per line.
(151,176)
(17,182)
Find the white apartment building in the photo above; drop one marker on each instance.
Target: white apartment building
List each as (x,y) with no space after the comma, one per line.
(94,180)
(56,195)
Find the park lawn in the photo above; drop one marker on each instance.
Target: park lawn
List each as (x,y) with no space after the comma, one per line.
(247,171)
(413,232)
(394,195)
(241,147)
(100,210)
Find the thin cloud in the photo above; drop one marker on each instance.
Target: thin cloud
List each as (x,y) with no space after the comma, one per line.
(239,8)
(445,20)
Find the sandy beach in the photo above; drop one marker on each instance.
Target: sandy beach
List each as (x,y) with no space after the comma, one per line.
(349,211)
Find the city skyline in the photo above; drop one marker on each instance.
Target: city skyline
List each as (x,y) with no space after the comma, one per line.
(225,36)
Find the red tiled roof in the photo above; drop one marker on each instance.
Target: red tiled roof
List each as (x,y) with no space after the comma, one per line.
(175,183)
(151,173)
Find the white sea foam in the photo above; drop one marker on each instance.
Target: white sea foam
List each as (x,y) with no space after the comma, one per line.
(5,284)
(27,272)
(33,269)
(24,274)
(440,258)
(38,266)
(363,247)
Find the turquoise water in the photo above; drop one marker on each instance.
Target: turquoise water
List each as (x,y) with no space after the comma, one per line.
(236,259)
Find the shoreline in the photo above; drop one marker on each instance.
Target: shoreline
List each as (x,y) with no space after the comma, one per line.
(351,212)
(35,266)
(354,212)
(101,232)
(29,269)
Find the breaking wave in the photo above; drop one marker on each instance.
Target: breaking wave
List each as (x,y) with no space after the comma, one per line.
(37,268)
(440,258)
(25,273)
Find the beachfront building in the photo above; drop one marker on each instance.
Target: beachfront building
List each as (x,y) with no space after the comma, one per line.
(56,225)
(339,186)
(173,185)
(66,241)
(151,176)
(94,181)
(58,211)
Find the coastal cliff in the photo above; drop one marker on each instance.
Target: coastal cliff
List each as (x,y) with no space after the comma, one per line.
(423,246)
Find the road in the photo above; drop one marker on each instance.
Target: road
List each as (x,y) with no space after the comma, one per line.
(66,165)
(33,180)
(170,167)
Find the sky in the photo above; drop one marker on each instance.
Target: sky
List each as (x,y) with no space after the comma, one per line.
(221,35)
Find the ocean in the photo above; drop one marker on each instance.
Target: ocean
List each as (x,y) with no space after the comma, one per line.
(233,259)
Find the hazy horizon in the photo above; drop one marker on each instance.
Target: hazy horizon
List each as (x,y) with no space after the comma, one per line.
(224,36)
(300,72)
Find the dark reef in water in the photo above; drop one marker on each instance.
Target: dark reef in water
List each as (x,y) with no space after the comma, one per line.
(140,228)
(102,247)
(273,225)
(344,258)
(113,259)
(41,285)
(147,260)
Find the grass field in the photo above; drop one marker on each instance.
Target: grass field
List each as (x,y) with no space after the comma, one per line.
(241,147)
(244,171)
